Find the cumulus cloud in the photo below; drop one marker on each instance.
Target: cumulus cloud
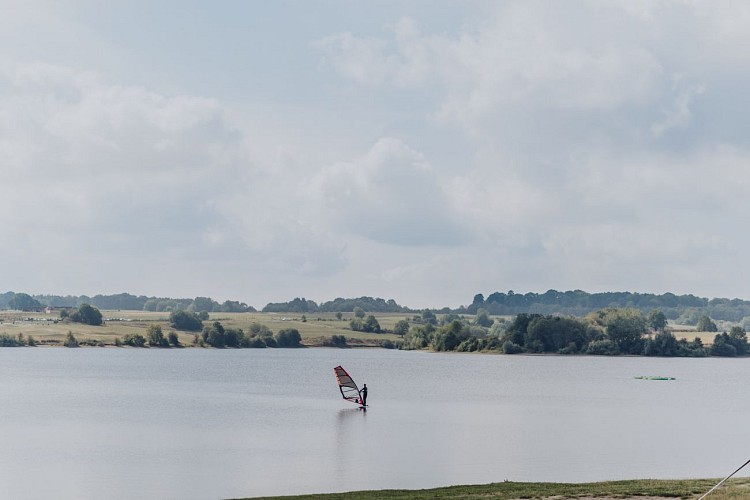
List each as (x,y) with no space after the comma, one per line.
(521,144)
(389,195)
(104,179)
(593,129)
(679,115)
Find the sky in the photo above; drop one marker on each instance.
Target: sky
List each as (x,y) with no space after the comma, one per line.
(421,150)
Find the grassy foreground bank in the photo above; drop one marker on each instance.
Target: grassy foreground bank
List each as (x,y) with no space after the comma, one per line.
(640,489)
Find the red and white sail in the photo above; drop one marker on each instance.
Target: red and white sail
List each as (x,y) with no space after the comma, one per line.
(348,388)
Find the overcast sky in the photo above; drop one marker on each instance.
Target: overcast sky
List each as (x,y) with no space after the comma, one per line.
(423,151)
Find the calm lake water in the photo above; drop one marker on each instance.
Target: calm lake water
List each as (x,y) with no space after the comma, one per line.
(208,424)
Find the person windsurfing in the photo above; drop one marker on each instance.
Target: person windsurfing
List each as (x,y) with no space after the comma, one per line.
(363,395)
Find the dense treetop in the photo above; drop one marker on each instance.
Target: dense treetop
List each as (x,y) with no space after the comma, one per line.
(687,309)
(580,303)
(120,301)
(369,304)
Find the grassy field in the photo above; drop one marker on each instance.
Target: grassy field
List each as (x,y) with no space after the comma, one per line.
(47,329)
(642,489)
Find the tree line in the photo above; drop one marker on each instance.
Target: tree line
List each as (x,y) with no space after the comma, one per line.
(608,331)
(302,305)
(120,301)
(684,309)
(216,335)
(687,309)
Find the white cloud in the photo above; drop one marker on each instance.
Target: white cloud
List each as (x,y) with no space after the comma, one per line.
(680,114)
(102,176)
(389,195)
(522,144)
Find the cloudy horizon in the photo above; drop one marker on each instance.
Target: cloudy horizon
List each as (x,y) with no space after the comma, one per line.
(419,151)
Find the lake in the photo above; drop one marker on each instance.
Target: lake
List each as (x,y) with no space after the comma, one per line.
(208,424)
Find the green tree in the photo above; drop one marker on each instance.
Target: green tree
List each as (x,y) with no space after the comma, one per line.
(706,325)
(603,347)
(738,338)
(339,316)
(401,327)
(70,340)
(657,320)
(134,340)
(694,349)
(371,325)
(338,340)
(156,336)
(183,320)
(204,304)
(24,302)
(722,346)
(359,312)
(555,334)
(262,331)
(418,337)
(449,337)
(173,339)
(483,319)
(625,327)
(663,344)
(214,335)
(288,337)
(233,337)
(87,314)
(516,331)
(429,317)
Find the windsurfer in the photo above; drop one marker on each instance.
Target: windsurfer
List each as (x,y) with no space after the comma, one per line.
(363,393)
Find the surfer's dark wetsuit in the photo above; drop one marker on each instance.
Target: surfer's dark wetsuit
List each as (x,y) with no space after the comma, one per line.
(363,393)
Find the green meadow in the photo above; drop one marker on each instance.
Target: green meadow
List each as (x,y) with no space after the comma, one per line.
(48,329)
(315,328)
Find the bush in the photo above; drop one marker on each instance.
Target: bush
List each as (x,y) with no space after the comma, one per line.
(87,314)
(571,348)
(270,342)
(417,337)
(183,320)
(663,344)
(338,341)
(288,337)
(156,336)
(387,344)
(469,345)
(511,347)
(70,340)
(723,346)
(134,340)
(215,335)
(233,337)
(706,325)
(8,341)
(692,349)
(173,339)
(401,328)
(604,347)
(253,342)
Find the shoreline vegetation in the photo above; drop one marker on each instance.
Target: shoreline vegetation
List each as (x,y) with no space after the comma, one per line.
(606,332)
(643,489)
(368,322)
